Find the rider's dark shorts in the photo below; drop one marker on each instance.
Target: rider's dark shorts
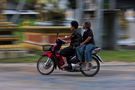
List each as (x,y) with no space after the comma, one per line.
(67,52)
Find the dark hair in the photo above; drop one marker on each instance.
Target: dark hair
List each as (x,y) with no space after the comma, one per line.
(74,24)
(87,23)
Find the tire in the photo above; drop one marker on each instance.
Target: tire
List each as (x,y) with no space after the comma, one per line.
(45,65)
(95,65)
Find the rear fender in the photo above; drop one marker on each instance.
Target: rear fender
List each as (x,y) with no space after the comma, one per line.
(98,58)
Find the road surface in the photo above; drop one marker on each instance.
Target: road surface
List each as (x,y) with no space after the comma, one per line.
(112,76)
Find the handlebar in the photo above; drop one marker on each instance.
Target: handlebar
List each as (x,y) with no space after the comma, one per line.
(60,41)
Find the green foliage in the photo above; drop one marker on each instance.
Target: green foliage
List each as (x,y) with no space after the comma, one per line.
(29,59)
(72,4)
(106,4)
(26,1)
(56,14)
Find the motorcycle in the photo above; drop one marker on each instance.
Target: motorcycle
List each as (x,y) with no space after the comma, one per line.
(51,59)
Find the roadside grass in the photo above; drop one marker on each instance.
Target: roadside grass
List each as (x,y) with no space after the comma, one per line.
(107,56)
(29,59)
(118,55)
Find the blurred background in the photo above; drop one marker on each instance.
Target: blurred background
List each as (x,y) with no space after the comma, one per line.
(26,25)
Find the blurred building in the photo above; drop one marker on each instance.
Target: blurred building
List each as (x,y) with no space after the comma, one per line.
(17,10)
(8,46)
(125,22)
(39,10)
(6,28)
(128,9)
(89,9)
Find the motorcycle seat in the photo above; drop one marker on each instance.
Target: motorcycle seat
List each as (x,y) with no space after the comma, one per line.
(96,50)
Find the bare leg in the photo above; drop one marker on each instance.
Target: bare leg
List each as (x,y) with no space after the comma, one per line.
(65,62)
(86,65)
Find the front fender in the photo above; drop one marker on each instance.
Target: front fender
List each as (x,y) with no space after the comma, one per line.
(48,54)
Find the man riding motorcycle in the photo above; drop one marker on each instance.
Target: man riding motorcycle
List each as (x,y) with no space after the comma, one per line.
(75,40)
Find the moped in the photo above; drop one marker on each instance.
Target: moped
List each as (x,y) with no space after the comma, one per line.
(51,59)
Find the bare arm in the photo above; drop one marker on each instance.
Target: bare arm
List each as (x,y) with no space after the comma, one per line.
(87,40)
(66,39)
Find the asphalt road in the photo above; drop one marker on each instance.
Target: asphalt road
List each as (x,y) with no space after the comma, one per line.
(112,76)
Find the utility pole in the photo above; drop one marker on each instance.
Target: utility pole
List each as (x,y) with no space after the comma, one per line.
(112,6)
(79,13)
(99,23)
(110,26)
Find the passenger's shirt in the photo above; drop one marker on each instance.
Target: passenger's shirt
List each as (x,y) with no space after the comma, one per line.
(88,33)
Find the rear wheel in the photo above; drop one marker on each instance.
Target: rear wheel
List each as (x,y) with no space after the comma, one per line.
(94,67)
(45,65)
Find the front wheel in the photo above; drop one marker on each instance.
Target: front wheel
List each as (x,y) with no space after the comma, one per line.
(45,65)
(94,67)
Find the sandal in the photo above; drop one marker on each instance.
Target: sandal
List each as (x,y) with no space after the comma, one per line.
(65,65)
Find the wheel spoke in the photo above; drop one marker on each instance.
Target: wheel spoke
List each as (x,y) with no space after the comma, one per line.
(46,62)
(45,65)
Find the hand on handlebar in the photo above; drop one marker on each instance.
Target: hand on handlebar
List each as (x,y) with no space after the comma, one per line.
(66,42)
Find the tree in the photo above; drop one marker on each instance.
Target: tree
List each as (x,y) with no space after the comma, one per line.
(2,7)
(72,4)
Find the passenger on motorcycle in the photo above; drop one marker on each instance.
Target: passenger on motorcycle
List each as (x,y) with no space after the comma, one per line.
(84,51)
(75,40)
